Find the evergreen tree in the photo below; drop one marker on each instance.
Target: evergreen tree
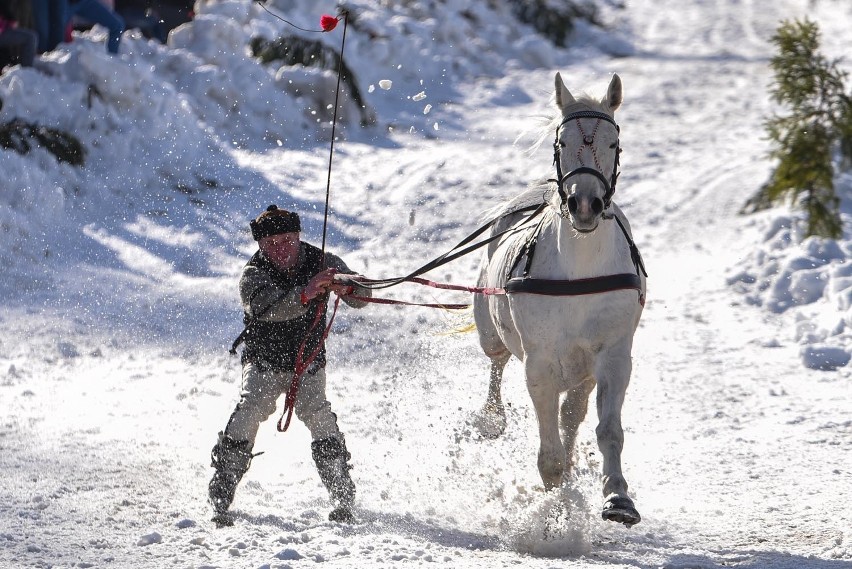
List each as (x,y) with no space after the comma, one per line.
(818,125)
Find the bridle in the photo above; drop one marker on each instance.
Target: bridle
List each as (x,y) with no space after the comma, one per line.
(588,141)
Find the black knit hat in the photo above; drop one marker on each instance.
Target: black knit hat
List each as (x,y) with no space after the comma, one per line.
(274,221)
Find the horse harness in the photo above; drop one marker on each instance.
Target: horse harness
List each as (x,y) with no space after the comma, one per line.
(575,287)
(594,285)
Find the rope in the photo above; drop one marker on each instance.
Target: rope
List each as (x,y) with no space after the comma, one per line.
(327,26)
(333,129)
(327,23)
(445,286)
(375,300)
(302,364)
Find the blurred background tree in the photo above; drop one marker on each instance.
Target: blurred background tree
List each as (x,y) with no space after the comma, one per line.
(816,133)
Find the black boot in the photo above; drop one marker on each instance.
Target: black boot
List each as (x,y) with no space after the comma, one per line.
(231,460)
(331,456)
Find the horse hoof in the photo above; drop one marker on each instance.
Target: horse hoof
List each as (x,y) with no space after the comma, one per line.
(620,509)
(223,520)
(342,514)
(490,424)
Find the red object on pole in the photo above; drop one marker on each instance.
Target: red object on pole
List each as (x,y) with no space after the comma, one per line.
(328,23)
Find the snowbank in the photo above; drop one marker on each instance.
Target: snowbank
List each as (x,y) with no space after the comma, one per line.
(157,122)
(811,277)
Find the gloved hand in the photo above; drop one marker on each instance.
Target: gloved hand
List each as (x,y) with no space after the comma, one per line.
(318,285)
(343,285)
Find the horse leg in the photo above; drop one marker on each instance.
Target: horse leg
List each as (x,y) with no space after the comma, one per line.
(572,414)
(545,397)
(491,421)
(612,386)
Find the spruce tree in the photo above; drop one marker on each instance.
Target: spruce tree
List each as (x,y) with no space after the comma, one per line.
(818,125)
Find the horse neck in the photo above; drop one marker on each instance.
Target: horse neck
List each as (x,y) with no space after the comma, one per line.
(574,255)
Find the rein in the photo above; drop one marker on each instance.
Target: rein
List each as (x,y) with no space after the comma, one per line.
(454,253)
(523,284)
(363,281)
(302,364)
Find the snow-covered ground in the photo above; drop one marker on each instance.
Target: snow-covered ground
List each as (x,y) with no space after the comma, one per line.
(119,294)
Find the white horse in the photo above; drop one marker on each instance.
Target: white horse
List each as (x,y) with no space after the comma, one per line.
(575,291)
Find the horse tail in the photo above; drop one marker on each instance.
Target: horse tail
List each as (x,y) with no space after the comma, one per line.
(466,329)
(464,323)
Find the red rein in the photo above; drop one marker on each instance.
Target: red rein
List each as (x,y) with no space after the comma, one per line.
(302,364)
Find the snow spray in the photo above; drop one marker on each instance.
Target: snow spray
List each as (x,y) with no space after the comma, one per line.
(554,524)
(560,523)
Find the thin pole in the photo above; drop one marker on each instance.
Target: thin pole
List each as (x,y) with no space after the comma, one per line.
(333,130)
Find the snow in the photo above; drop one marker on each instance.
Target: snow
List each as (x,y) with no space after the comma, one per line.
(119,293)
(809,277)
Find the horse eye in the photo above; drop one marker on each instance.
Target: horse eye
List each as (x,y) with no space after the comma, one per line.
(562,144)
(613,145)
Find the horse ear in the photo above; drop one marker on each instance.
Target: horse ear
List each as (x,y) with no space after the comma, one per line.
(614,93)
(563,95)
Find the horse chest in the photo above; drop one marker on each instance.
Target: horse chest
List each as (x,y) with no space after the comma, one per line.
(559,325)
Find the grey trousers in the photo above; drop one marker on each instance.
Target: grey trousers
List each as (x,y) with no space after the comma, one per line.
(260,392)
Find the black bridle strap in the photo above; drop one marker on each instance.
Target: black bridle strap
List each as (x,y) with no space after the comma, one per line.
(585,170)
(560,180)
(589,115)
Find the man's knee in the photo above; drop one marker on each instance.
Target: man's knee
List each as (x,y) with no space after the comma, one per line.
(311,399)
(256,406)
(314,409)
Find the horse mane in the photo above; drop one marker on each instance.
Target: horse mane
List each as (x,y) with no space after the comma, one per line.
(549,124)
(536,193)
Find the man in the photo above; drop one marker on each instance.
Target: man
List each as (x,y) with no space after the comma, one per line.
(283,288)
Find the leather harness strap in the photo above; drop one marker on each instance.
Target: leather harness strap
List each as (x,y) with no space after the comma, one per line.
(576,287)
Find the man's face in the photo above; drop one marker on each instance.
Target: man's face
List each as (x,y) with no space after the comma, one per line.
(282,249)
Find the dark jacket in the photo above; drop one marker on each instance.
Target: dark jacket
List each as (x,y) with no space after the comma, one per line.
(277,322)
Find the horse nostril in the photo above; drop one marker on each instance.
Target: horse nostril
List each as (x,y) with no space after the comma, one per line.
(572,205)
(597,206)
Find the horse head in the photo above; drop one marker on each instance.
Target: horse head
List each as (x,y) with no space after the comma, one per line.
(586,153)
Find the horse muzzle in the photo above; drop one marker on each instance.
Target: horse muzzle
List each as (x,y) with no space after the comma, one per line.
(585,212)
